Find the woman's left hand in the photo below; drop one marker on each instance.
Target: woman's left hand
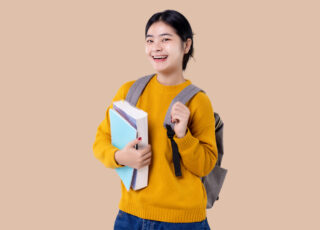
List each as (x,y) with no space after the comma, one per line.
(180,116)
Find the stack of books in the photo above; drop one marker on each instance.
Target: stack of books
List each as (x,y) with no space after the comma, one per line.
(127,123)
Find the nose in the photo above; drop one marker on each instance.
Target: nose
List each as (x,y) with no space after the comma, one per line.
(156,46)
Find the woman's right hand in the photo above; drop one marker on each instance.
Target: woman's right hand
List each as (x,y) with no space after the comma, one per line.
(132,157)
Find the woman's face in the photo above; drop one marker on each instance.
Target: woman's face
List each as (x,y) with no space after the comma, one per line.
(163,42)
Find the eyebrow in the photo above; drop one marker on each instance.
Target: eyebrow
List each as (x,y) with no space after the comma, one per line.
(149,35)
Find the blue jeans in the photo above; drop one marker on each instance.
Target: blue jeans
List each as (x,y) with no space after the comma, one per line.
(126,221)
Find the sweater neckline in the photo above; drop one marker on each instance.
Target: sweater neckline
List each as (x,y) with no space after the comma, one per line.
(168,88)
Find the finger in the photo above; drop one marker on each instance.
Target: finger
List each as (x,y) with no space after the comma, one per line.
(178,118)
(176,105)
(174,118)
(146,156)
(182,109)
(178,111)
(145,150)
(146,162)
(180,105)
(134,142)
(178,114)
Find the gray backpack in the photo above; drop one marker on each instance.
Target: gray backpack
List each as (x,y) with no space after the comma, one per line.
(214,180)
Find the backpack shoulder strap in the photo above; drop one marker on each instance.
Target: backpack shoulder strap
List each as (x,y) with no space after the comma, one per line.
(184,96)
(137,88)
(219,137)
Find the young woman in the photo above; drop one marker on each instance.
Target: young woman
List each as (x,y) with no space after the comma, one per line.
(168,202)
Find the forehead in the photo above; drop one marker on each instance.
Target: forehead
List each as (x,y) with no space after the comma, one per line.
(159,29)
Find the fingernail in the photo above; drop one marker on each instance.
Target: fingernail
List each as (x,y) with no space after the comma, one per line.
(140,138)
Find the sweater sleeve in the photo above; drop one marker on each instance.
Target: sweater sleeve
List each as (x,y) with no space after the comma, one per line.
(102,148)
(198,148)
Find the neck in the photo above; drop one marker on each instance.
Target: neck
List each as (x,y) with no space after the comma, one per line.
(170,78)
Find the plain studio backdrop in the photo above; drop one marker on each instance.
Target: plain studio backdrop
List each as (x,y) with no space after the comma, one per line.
(61,63)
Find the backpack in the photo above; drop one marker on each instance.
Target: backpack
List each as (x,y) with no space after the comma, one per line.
(214,180)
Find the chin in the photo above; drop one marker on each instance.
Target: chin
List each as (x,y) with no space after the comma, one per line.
(159,69)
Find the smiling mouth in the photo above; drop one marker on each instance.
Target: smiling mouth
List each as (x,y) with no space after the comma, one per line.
(159,58)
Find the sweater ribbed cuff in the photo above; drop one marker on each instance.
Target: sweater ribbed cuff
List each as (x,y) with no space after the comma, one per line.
(113,160)
(185,142)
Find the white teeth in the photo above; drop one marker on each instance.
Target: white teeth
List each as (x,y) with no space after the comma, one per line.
(159,56)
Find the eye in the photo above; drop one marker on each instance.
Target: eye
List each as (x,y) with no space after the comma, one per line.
(166,39)
(149,41)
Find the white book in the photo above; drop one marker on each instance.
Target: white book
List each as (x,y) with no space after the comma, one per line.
(139,120)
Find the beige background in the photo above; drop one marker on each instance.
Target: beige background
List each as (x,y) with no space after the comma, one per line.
(63,61)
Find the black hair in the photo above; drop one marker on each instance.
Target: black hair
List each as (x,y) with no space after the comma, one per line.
(180,24)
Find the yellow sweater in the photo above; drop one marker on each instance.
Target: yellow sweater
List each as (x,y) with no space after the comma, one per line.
(167,198)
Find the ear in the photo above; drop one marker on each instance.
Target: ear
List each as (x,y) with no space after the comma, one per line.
(187,45)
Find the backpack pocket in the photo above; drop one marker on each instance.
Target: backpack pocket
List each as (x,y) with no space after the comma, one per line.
(213,183)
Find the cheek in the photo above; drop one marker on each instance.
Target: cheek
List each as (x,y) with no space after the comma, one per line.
(147,49)
(175,50)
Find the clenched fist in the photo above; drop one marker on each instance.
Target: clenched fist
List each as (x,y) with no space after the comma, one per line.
(180,116)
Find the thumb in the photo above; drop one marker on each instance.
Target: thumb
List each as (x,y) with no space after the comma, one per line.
(134,142)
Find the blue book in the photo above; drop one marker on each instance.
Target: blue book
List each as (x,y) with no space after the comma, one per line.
(139,120)
(122,132)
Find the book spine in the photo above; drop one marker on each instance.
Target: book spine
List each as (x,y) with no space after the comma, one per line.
(141,179)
